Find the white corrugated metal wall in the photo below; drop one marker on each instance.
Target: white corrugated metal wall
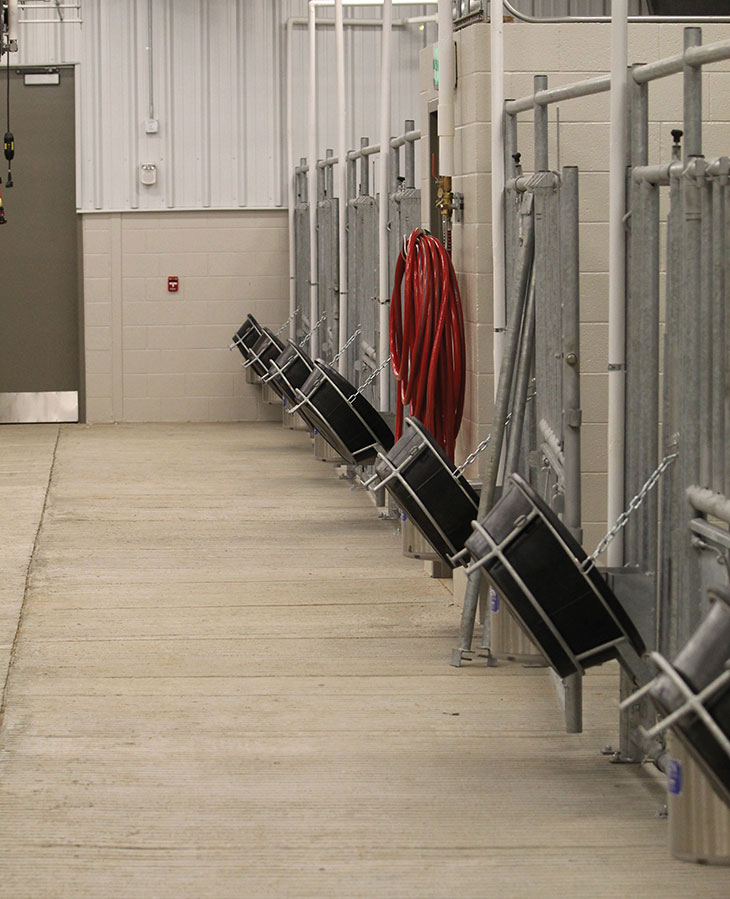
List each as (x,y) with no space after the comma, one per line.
(218,94)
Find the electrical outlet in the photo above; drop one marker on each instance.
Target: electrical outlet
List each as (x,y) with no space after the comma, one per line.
(152,126)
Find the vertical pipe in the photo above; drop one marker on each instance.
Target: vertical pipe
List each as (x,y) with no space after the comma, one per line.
(522,381)
(692,87)
(540,124)
(719,323)
(499,313)
(635,464)
(617,273)
(706,337)
(12,37)
(290,181)
(669,596)
(364,170)
(447,77)
(313,192)
(570,292)
(410,158)
(341,188)
(383,273)
(649,379)
(569,266)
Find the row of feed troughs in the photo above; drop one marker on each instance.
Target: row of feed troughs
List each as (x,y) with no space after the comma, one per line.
(554,590)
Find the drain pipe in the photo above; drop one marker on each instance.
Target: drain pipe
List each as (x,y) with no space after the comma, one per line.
(341,175)
(617,274)
(383,281)
(312,179)
(496,44)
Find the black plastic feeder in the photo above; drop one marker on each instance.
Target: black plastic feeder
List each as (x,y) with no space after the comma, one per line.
(289,371)
(695,692)
(344,418)
(556,594)
(246,336)
(267,348)
(427,486)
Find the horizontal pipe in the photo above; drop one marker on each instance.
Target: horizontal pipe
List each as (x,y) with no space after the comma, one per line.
(408,137)
(709,502)
(556,94)
(606,19)
(672,65)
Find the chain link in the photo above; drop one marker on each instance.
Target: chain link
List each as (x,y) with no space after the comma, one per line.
(370,380)
(472,455)
(310,332)
(636,501)
(284,324)
(346,345)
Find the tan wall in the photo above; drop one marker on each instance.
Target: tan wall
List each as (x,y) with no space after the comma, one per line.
(565,53)
(152,355)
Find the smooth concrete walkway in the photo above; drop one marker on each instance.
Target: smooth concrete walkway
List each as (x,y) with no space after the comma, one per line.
(228,682)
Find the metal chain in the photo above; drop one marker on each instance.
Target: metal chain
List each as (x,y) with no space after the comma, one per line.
(636,501)
(284,324)
(472,455)
(345,345)
(310,332)
(370,380)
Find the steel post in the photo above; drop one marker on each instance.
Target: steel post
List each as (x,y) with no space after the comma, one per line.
(719,323)
(540,127)
(410,157)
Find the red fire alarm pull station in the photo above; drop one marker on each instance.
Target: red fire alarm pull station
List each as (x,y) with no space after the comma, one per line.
(172,284)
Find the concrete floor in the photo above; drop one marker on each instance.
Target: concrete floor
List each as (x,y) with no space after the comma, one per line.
(226,681)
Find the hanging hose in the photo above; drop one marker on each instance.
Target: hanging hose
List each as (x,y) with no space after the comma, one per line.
(427,347)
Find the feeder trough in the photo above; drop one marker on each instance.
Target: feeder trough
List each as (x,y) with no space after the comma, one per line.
(702,664)
(267,348)
(555,592)
(437,498)
(289,371)
(246,336)
(346,420)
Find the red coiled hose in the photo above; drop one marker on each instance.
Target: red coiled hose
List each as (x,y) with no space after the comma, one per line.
(427,349)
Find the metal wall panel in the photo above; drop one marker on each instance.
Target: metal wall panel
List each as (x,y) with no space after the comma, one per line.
(218,94)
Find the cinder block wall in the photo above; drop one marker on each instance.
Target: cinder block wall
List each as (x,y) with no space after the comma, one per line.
(152,355)
(565,53)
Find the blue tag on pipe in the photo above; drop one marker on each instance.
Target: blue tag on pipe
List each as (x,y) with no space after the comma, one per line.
(493,600)
(674,777)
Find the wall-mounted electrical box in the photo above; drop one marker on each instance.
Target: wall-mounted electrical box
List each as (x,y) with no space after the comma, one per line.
(148,174)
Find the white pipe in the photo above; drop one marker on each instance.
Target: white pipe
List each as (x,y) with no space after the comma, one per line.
(313,292)
(496,43)
(446,88)
(375,2)
(12,25)
(617,273)
(291,190)
(383,291)
(341,176)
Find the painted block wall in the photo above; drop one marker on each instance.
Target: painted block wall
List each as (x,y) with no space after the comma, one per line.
(565,53)
(152,355)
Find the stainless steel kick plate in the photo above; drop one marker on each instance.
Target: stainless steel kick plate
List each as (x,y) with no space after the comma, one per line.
(24,408)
